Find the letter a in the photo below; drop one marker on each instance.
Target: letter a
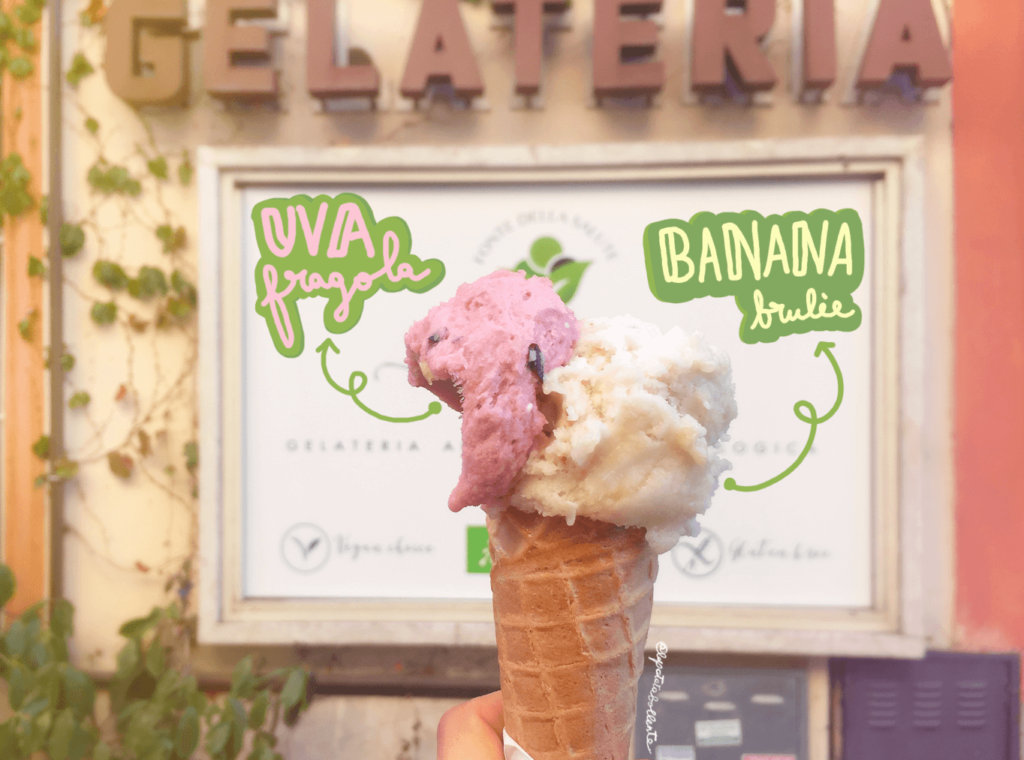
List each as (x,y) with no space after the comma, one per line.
(905,35)
(709,255)
(776,244)
(441,51)
(845,245)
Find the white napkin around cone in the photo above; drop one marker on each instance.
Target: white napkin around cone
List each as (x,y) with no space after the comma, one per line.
(512,750)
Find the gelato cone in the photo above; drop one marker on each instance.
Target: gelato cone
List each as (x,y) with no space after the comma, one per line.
(591,446)
(572,605)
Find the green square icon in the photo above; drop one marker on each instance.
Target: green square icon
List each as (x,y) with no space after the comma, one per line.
(478,558)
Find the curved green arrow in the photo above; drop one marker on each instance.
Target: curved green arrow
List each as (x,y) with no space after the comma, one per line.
(811,418)
(356,384)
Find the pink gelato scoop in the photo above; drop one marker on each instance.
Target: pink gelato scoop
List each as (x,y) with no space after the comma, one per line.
(484,353)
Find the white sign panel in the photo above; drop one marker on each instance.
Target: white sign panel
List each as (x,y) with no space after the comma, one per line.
(339,503)
(323,509)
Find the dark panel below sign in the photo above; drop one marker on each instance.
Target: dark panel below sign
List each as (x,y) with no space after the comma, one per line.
(721,714)
(949,706)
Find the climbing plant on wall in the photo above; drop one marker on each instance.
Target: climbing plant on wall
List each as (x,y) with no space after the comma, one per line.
(157,709)
(129,272)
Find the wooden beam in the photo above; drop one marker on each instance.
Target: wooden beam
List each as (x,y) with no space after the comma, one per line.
(25,537)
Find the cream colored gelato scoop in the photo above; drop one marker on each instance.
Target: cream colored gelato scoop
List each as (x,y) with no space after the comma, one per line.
(636,413)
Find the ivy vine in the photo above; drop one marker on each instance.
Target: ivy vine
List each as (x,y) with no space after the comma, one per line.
(147,298)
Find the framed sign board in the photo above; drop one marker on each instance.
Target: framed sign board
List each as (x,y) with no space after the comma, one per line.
(323,523)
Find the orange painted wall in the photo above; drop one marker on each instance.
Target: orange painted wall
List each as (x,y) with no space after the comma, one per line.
(24,546)
(988,117)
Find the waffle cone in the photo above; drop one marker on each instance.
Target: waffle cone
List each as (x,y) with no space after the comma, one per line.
(572,605)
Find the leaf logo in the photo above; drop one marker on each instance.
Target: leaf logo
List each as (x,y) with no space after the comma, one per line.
(547,259)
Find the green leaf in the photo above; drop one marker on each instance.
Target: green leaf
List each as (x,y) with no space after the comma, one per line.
(238,721)
(8,740)
(156,660)
(79,692)
(566,278)
(258,711)
(92,125)
(243,681)
(191,456)
(17,639)
(179,308)
(30,617)
(294,689)
(65,469)
(48,681)
(25,325)
(36,267)
(120,464)
(38,655)
(110,275)
(139,626)
(21,67)
(80,69)
(78,400)
(41,448)
(173,239)
(109,180)
(14,183)
(186,738)
(67,362)
(261,751)
(150,282)
(40,728)
(217,738)
(60,739)
(80,741)
(182,286)
(128,658)
(62,616)
(104,313)
(35,707)
(185,169)
(8,585)
(158,167)
(238,714)
(72,238)
(18,684)
(60,649)
(28,14)
(25,38)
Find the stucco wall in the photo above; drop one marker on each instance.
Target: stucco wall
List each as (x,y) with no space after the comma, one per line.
(127,536)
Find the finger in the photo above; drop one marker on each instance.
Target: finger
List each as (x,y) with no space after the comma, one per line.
(472,730)
(489,707)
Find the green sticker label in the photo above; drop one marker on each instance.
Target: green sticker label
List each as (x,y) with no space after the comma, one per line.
(478,556)
(330,248)
(789,274)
